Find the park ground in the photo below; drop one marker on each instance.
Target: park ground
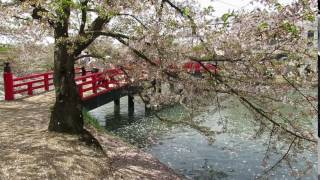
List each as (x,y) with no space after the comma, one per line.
(29,151)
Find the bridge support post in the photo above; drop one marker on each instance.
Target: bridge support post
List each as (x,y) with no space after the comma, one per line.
(8,82)
(116,106)
(147,110)
(130,105)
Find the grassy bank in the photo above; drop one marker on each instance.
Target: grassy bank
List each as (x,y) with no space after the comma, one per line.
(5,48)
(90,120)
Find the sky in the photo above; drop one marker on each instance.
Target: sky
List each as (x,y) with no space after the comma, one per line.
(223,6)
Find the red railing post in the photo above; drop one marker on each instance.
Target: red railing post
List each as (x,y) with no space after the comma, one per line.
(8,82)
(94,83)
(30,88)
(46,82)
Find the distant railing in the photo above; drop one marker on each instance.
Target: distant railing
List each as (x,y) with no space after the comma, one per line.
(17,85)
(195,67)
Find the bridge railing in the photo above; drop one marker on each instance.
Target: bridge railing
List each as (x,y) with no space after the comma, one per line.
(31,82)
(99,83)
(89,83)
(195,67)
(26,84)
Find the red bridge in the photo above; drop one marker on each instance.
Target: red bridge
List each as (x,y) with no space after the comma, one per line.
(95,88)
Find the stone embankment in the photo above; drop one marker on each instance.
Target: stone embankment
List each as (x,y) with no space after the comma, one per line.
(29,151)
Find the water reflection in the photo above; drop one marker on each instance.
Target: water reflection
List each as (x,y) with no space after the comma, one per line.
(118,121)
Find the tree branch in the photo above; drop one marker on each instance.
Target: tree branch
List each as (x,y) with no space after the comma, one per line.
(62,24)
(138,53)
(83,16)
(256,109)
(109,34)
(86,39)
(160,11)
(141,55)
(214,58)
(281,159)
(297,89)
(37,14)
(21,18)
(134,17)
(193,24)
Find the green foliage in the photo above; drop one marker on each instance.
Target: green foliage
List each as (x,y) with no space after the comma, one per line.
(207,57)
(304,2)
(172,23)
(278,6)
(48,66)
(111,14)
(208,10)
(61,6)
(263,26)
(225,17)
(198,48)
(101,11)
(290,28)
(186,11)
(65,3)
(309,17)
(4,49)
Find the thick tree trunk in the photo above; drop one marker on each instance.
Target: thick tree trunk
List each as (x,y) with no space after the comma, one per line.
(66,115)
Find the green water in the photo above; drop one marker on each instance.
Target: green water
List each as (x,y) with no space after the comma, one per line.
(234,154)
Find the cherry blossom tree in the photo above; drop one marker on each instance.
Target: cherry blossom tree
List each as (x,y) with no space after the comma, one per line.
(264,56)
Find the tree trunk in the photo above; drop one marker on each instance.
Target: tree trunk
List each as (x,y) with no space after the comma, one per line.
(66,115)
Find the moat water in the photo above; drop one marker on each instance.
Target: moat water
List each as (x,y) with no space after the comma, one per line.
(234,154)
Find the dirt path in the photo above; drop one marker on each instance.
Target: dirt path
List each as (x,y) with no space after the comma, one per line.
(29,151)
